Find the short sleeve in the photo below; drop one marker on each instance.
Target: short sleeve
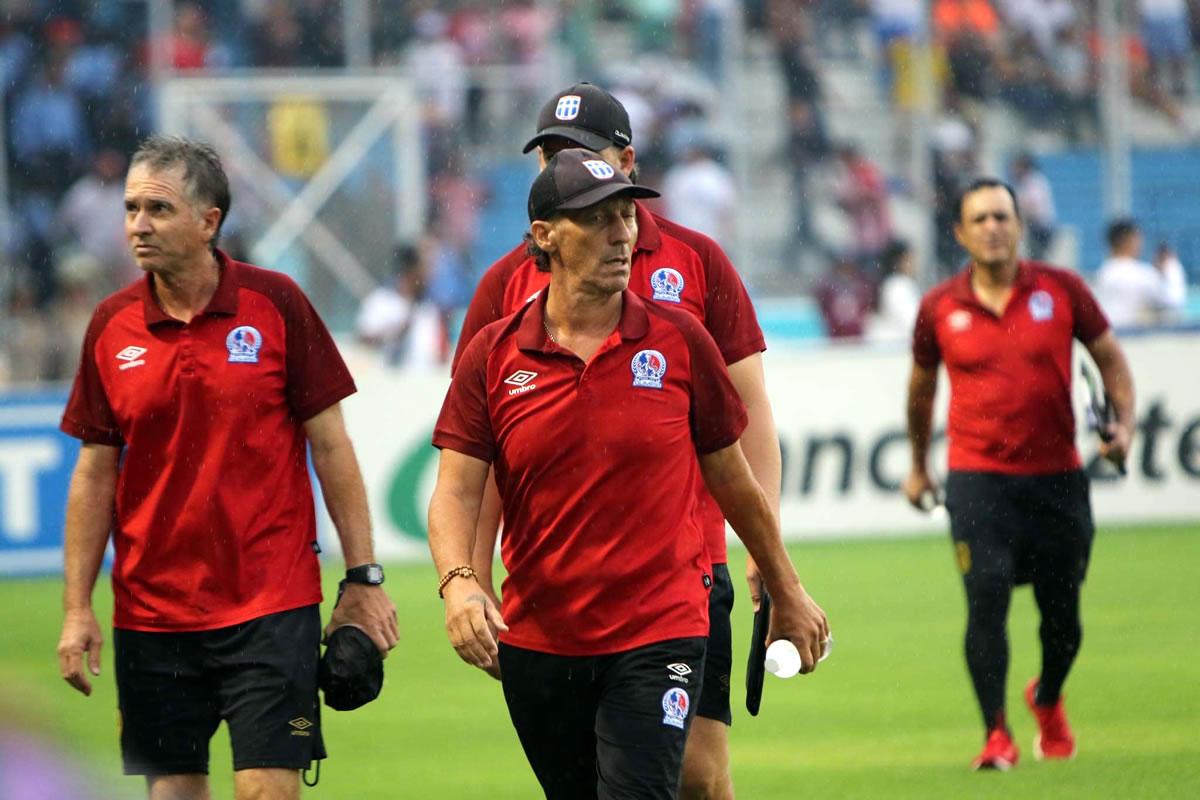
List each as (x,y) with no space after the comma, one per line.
(718,416)
(1090,321)
(925,350)
(464,424)
(729,313)
(88,415)
(317,377)
(487,304)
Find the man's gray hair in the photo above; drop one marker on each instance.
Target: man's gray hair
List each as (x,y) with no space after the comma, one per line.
(204,177)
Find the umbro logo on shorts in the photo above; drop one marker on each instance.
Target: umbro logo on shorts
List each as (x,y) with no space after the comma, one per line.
(679,672)
(301,726)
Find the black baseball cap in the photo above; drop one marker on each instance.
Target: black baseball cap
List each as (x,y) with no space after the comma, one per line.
(577,178)
(585,114)
(351,669)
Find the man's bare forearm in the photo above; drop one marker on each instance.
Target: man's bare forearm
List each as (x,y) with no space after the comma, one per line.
(89,517)
(922,387)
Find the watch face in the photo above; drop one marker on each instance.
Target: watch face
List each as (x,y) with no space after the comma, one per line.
(374,573)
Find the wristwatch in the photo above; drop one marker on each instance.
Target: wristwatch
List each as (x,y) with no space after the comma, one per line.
(370,574)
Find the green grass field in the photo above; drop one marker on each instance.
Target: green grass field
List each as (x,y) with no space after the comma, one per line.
(889,715)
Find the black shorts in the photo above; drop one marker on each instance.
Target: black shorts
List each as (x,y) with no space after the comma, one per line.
(611,726)
(718,660)
(260,677)
(1018,529)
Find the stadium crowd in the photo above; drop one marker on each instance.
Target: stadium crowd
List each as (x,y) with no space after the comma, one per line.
(78,95)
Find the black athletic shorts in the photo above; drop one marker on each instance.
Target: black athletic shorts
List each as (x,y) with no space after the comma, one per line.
(611,726)
(718,660)
(260,677)
(1018,529)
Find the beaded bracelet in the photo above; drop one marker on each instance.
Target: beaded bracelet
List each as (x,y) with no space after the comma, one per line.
(464,571)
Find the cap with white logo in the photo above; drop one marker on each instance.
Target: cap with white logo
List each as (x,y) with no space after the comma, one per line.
(578,178)
(586,115)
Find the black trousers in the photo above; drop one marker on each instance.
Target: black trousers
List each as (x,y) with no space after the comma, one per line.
(1010,530)
(609,726)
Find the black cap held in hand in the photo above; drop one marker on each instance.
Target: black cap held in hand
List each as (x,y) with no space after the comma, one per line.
(586,115)
(351,670)
(578,178)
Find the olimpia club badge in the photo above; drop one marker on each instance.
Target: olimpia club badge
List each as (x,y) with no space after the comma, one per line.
(667,284)
(648,367)
(675,704)
(243,344)
(1041,306)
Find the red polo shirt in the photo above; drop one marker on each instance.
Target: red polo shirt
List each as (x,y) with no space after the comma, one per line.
(214,508)
(1010,375)
(672,265)
(597,471)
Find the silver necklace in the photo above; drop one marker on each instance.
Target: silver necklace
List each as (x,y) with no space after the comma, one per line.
(546,325)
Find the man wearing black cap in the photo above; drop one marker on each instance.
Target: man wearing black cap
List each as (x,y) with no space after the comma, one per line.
(602,413)
(671,266)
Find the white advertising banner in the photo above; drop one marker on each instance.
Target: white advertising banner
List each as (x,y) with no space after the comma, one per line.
(840,414)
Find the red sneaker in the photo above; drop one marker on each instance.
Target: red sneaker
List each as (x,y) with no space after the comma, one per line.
(1000,751)
(1054,739)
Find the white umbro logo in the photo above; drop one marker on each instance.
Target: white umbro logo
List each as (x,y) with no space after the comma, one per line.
(132,356)
(520,377)
(679,672)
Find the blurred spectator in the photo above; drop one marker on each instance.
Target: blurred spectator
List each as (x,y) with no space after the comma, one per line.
(1171,268)
(861,193)
(93,215)
(899,294)
(1131,291)
(840,22)
(807,146)
(49,132)
(471,29)
(275,40)
(1165,27)
(435,64)
(1035,199)
(1041,20)
(970,31)
(709,36)
(654,23)
(397,318)
(790,25)
(700,193)
(457,197)
(955,164)
(1141,85)
(25,336)
(1074,84)
(845,298)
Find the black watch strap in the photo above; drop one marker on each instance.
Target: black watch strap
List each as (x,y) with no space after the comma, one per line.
(370,574)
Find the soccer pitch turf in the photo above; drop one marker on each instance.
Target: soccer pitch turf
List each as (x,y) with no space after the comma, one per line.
(889,715)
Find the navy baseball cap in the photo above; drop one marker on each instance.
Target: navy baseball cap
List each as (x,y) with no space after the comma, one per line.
(586,115)
(576,178)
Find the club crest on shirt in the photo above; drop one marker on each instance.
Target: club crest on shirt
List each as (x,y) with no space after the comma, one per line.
(1041,306)
(568,107)
(648,367)
(243,343)
(959,320)
(675,705)
(667,284)
(600,170)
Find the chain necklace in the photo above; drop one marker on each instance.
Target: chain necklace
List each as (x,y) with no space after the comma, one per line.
(549,335)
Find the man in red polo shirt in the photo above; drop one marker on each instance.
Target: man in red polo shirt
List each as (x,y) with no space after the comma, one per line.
(199,392)
(593,404)
(1016,493)
(677,268)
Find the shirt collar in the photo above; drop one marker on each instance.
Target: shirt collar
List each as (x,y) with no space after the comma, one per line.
(649,236)
(224,299)
(961,287)
(531,329)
